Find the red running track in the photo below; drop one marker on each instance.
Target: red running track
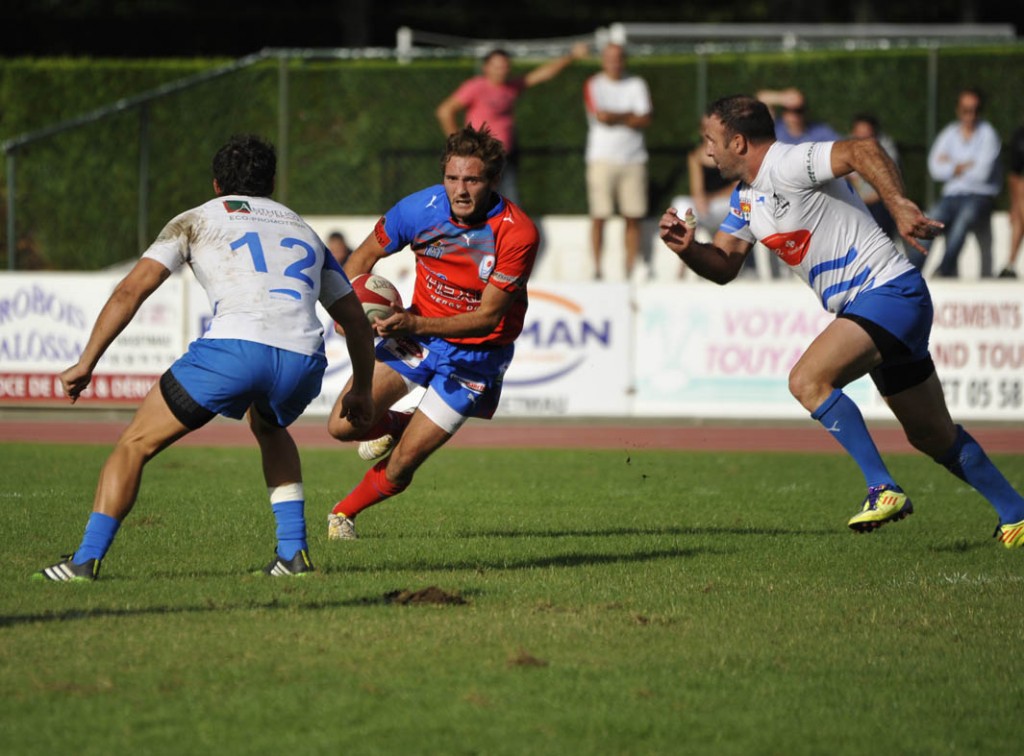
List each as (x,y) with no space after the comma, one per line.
(602,434)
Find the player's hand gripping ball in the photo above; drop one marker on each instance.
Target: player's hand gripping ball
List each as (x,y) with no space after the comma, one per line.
(377,294)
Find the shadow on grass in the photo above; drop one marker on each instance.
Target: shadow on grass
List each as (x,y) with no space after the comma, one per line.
(474,565)
(71,615)
(531,563)
(735,530)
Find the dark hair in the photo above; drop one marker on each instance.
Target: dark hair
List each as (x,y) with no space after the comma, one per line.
(497,51)
(478,143)
(246,165)
(869,119)
(745,115)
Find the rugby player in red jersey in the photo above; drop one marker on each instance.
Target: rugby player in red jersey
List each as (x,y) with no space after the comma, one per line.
(474,253)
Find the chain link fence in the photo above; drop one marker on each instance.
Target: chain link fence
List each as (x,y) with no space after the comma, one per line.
(356,130)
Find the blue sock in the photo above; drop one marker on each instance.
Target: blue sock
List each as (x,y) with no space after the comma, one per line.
(291,528)
(99,534)
(841,417)
(968,461)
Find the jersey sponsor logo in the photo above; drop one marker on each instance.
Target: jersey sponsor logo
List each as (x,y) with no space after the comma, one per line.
(408,351)
(791,247)
(504,278)
(476,387)
(434,249)
(433,201)
(237,206)
(381,234)
(780,206)
(809,164)
(486,267)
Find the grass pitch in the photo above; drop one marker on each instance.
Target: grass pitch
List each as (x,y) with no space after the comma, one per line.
(634,602)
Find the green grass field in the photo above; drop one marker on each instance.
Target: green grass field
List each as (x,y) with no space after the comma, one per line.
(641,602)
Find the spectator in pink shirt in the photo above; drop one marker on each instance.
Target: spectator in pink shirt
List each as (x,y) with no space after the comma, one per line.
(490,99)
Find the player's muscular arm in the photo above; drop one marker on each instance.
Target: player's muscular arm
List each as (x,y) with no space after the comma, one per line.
(720,261)
(493,305)
(120,308)
(364,257)
(866,157)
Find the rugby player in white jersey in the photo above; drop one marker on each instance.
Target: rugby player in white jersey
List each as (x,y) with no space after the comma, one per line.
(792,199)
(262,356)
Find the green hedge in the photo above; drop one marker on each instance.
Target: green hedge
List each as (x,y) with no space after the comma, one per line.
(362,133)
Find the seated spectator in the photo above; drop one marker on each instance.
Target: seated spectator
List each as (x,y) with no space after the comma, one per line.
(965,157)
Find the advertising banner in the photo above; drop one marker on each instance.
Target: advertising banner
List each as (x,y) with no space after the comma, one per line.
(710,351)
(45,320)
(587,349)
(573,357)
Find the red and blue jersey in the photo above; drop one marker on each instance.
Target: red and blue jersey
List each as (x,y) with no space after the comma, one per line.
(455,262)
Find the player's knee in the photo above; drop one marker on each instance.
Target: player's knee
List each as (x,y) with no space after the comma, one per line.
(341,429)
(808,388)
(800,384)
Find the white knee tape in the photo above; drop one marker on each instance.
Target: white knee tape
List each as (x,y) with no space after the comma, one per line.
(287,492)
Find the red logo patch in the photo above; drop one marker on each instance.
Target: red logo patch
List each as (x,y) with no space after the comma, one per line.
(381,235)
(790,247)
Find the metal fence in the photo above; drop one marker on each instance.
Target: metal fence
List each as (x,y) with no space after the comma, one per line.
(147,128)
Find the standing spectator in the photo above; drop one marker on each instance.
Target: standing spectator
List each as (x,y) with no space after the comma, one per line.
(793,199)
(338,246)
(965,156)
(474,253)
(618,106)
(792,123)
(262,356)
(490,99)
(1015,184)
(866,126)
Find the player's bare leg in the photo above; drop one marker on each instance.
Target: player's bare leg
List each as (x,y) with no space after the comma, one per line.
(388,388)
(153,428)
(842,353)
(925,418)
(282,471)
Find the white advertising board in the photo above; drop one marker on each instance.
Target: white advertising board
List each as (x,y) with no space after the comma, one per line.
(45,320)
(727,351)
(573,356)
(588,349)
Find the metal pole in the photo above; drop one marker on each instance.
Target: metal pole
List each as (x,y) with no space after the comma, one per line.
(702,84)
(282,128)
(143,217)
(12,244)
(932,118)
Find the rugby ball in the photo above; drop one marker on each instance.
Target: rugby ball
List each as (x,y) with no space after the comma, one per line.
(377,294)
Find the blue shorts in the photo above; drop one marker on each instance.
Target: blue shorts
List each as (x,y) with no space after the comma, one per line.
(898,318)
(227,376)
(901,307)
(468,379)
